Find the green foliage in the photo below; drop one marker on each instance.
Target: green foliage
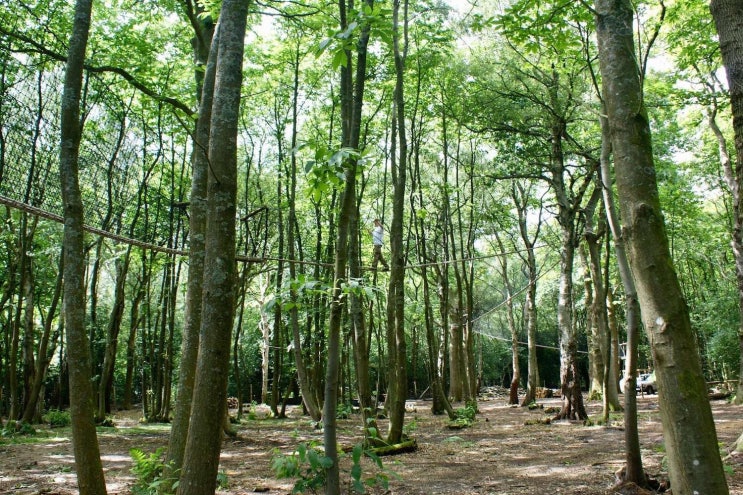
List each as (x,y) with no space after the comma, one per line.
(18,428)
(222,480)
(358,483)
(309,467)
(148,468)
(57,419)
(306,465)
(251,412)
(410,427)
(339,43)
(465,416)
(343,411)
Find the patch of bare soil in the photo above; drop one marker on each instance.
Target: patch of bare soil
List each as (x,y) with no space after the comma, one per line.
(502,453)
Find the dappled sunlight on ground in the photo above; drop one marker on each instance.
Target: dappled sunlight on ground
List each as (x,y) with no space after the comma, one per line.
(499,454)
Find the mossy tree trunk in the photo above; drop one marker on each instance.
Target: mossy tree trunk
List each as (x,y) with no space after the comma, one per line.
(689,433)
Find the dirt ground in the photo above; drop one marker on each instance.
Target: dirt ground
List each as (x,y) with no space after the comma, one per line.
(499,454)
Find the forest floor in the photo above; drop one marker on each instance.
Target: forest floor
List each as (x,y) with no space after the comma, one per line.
(501,453)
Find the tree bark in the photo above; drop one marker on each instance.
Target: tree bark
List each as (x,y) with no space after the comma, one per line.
(727,16)
(521,201)
(112,337)
(46,352)
(206,54)
(352,102)
(84,439)
(305,385)
(633,457)
(201,458)
(688,428)
(567,203)
(396,345)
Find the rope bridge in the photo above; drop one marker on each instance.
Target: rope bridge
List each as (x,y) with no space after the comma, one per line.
(133,177)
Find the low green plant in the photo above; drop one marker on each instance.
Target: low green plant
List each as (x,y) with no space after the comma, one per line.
(251,412)
(358,482)
(18,428)
(410,427)
(223,482)
(344,411)
(306,465)
(465,416)
(57,419)
(148,468)
(309,468)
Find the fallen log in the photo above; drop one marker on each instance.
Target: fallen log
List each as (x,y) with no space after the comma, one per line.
(397,448)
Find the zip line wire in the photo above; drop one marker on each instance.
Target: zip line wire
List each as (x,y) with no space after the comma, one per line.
(39,212)
(505,339)
(521,290)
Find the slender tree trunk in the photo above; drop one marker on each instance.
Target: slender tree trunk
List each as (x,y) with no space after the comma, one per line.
(84,439)
(46,352)
(633,457)
(513,395)
(595,354)
(694,460)
(112,337)
(131,350)
(397,346)
(440,403)
(201,459)
(727,16)
(29,339)
(519,195)
(16,321)
(197,227)
(305,385)
(352,101)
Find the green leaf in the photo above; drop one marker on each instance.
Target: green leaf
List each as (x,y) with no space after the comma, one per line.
(358,486)
(340,59)
(357,451)
(356,472)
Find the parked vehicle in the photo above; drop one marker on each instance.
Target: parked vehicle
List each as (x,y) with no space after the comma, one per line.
(646,383)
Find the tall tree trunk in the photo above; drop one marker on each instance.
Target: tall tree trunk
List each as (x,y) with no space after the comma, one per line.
(568,203)
(112,337)
(131,349)
(520,197)
(593,235)
(201,459)
(84,439)
(397,346)
(305,385)
(633,457)
(440,403)
(16,321)
(513,394)
(29,338)
(46,352)
(206,54)
(727,16)
(595,353)
(276,342)
(352,102)
(694,460)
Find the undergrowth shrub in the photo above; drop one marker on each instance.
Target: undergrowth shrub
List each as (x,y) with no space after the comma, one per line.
(309,467)
(57,419)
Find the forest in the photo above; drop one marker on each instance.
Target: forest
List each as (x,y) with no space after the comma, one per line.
(361,209)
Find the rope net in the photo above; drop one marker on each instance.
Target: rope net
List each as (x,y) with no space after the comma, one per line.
(133,176)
